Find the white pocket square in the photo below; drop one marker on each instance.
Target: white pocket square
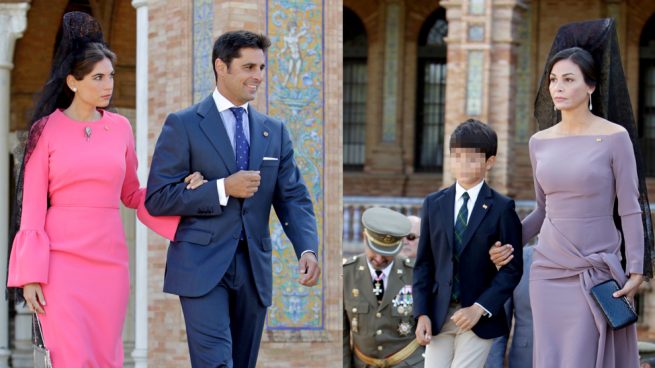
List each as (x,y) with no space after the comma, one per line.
(270,158)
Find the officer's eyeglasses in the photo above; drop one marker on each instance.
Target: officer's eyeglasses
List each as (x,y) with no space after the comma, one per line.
(412,236)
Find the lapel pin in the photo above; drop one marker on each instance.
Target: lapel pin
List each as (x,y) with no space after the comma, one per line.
(355,292)
(265,133)
(599,139)
(484,206)
(400,272)
(361,268)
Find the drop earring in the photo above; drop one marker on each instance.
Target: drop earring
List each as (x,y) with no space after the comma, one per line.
(590,105)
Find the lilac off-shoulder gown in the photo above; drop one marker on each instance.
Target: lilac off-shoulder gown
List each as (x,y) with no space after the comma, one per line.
(577,179)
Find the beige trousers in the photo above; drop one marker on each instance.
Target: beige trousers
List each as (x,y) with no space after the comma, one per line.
(454,348)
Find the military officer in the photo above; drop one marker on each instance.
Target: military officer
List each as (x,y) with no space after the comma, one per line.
(378,327)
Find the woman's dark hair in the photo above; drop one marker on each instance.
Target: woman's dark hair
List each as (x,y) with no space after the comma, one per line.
(580,57)
(81,46)
(56,93)
(228,46)
(477,135)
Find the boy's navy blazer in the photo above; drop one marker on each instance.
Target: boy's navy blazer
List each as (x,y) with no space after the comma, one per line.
(493,219)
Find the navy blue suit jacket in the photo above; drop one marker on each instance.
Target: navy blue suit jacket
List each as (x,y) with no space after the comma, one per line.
(195,139)
(493,219)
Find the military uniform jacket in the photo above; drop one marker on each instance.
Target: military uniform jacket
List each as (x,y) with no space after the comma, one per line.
(378,330)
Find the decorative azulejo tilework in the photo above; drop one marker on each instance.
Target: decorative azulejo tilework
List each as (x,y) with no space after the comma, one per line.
(474,82)
(391,55)
(295,95)
(524,75)
(203,74)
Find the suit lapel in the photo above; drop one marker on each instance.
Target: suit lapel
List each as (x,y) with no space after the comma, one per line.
(446,211)
(259,138)
(212,125)
(480,209)
(395,282)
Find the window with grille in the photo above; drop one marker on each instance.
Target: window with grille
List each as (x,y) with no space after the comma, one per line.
(355,77)
(431,94)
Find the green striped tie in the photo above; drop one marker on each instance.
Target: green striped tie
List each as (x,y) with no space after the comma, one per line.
(460,228)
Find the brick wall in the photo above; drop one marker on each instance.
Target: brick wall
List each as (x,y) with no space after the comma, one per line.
(170,67)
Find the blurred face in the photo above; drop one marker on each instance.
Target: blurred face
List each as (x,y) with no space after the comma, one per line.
(410,242)
(567,86)
(239,81)
(378,261)
(469,165)
(95,88)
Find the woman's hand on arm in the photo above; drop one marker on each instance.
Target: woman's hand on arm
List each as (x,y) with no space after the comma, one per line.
(194,180)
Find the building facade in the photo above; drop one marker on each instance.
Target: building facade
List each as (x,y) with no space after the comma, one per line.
(413,70)
(164,64)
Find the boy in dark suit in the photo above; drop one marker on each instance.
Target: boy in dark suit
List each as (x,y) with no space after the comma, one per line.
(458,292)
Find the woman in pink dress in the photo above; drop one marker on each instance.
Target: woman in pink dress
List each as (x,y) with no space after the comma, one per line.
(70,255)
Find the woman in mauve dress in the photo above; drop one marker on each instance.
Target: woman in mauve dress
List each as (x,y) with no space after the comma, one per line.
(581,166)
(69,254)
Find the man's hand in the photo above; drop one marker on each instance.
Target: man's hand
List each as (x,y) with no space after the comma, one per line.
(468,317)
(242,184)
(34,297)
(501,254)
(308,269)
(194,180)
(424,330)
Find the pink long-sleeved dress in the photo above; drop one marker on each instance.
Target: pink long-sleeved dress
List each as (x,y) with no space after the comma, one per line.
(71,238)
(577,179)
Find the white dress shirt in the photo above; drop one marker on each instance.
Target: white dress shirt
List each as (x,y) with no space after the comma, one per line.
(473,196)
(459,201)
(385,273)
(230,122)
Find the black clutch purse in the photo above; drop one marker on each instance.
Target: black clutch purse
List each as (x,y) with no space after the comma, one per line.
(618,311)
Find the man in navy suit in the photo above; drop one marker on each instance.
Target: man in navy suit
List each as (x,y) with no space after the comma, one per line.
(458,292)
(220,261)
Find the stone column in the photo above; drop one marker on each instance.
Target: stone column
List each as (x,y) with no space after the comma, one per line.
(386,154)
(140,353)
(481,59)
(13,21)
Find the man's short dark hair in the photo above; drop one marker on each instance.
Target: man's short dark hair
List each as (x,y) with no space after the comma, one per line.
(228,46)
(475,134)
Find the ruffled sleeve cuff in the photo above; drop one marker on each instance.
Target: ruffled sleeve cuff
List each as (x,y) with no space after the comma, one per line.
(165,226)
(29,261)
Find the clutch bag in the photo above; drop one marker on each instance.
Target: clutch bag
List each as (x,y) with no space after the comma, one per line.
(41,353)
(618,311)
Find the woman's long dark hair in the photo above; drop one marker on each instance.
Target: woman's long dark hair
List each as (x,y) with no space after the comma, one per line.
(610,99)
(80,48)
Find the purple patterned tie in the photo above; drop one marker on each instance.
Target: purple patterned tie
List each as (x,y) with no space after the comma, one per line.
(240,141)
